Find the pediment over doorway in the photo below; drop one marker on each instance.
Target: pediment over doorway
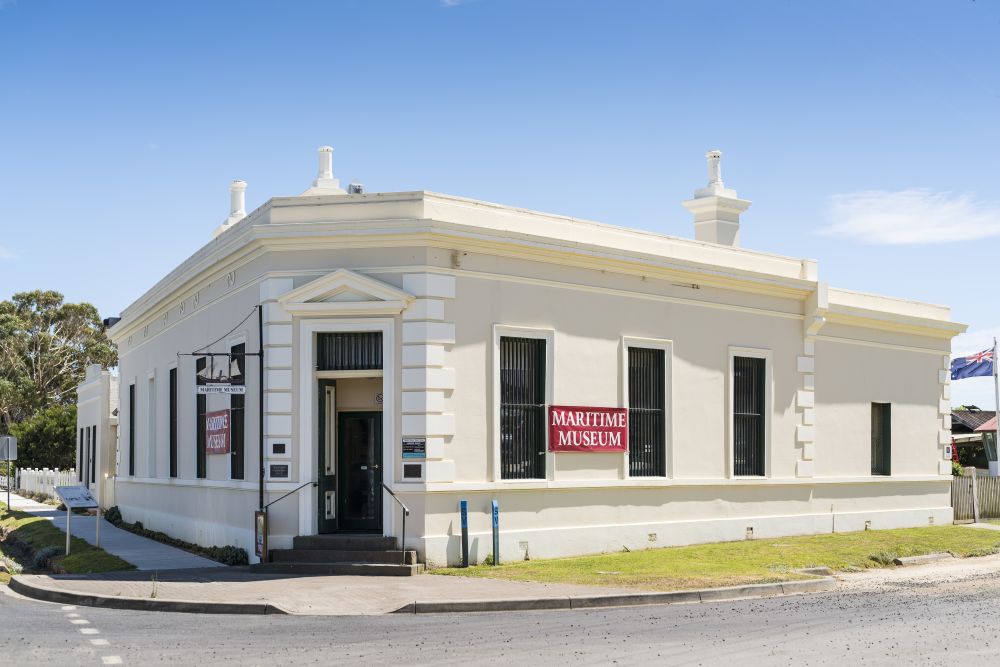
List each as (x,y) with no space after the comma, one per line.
(345,292)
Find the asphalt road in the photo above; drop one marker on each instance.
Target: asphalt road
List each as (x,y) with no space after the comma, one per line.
(944,621)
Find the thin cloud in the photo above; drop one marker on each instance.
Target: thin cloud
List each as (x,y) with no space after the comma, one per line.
(913,216)
(6,254)
(974,340)
(456,3)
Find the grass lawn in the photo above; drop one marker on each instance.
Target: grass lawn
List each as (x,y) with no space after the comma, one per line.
(749,562)
(39,533)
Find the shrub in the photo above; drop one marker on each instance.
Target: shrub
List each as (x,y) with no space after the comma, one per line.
(43,557)
(229,555)
(956,468)
(113,516)
(883,558)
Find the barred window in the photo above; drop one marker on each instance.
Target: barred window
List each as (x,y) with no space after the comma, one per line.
(881,438)
(237,403)
(646,413)
(201,407)
(131,430)
(522,408)
(172,421)
(749,418)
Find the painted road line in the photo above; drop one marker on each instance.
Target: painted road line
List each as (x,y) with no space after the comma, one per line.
(79,621)
(111,660)
(69,607)
(73,615)
(89,631)
(100,642)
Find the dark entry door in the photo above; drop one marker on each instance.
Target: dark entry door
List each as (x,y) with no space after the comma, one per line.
(359,467)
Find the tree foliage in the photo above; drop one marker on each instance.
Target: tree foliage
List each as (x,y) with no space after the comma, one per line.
(45,348)
(47,439)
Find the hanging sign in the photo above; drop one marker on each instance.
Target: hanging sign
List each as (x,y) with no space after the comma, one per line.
(224,377)
(587,429)
(217,432)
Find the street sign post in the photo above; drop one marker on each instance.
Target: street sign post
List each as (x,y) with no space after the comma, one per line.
(8,452)
(78,497)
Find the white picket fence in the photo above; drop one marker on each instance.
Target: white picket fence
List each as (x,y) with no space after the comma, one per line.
(44,480)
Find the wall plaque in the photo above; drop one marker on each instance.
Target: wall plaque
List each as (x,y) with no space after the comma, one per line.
(414,448)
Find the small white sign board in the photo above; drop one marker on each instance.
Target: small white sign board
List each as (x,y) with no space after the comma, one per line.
(76,497)
(221,388)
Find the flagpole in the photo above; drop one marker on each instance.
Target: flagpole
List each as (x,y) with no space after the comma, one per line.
(995,465)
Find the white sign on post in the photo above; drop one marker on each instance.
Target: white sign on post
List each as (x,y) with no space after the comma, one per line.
(8,448)
(78,497)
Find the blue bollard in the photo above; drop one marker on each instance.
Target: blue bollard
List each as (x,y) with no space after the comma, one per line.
(463,508)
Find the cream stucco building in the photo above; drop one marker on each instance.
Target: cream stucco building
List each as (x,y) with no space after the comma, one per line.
(419,340)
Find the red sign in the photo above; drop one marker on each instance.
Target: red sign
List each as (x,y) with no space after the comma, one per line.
(579,429)
(217,432)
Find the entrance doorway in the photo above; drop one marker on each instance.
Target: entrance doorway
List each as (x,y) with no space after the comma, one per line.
(359,459)
(350,456)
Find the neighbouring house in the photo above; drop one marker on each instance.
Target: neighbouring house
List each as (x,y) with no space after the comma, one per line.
(97,433)
(967,439)
(988,431)
(608,387)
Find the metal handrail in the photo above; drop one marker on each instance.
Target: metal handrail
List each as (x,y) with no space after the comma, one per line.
(406,513)
(290,493)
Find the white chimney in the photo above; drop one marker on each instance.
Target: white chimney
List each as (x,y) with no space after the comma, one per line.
(716,208)
(325,183)
(237,206)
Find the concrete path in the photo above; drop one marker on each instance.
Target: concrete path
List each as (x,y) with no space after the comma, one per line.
(142,552)
(987,526)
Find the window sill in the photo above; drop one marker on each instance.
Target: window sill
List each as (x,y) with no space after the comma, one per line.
(514,485)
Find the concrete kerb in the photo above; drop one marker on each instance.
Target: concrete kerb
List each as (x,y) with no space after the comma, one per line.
(625,600)
(33,590)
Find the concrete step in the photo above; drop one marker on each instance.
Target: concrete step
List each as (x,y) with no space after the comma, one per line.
(389,556)
(356,569)
(342,542)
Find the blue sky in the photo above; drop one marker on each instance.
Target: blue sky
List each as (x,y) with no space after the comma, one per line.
(866,133)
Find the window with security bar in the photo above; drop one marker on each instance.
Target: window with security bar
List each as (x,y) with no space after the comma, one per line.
(349,351)
(172,421)
(647,456)
(881,438)
(131,430)
(201,408)
(749,416)
(522,408)
(237,408)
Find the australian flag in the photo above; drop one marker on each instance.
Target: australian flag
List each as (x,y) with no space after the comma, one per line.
(974,365)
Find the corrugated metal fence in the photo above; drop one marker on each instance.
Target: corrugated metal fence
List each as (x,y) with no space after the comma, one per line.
(968,491)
